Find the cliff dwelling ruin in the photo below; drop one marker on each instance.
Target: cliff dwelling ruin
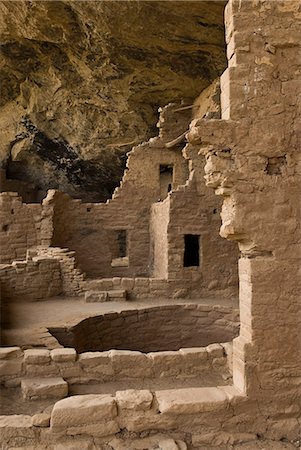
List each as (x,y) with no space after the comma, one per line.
(150,238)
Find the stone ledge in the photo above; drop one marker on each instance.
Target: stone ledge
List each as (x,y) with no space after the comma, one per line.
(63,354)
(81,410)
(10,352)
(15,421)
(36,388)
(190,400)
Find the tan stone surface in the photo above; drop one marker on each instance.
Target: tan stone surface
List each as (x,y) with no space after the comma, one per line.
(41,420)
(10,352)
(34,388)
(63,354)
(189,401)
(252,161)
(82,410)
(36,356)
(134,400)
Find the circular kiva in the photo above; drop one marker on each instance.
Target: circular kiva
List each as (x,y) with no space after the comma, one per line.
(152,329)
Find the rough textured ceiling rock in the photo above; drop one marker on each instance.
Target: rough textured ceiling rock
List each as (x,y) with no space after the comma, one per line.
(81,82)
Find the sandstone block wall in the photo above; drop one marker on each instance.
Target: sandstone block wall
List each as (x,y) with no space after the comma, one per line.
(32,279)
(194,210)
(153,227)
(114,365)
(253,161)
(19,227)
(159,220)
(91,229)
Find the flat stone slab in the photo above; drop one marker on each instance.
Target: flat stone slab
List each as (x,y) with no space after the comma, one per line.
(96,296)
(82,410)
(36,388)
(191,400)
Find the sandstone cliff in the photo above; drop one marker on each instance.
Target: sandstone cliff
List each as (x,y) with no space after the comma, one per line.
(81,83)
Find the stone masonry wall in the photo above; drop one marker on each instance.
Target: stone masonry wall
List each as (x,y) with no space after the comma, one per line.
(154,235)
(195,210)
(114,365)
(253,161)
(90,228)
(19,227)
(32,279)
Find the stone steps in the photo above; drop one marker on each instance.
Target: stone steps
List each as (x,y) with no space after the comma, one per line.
(105,296)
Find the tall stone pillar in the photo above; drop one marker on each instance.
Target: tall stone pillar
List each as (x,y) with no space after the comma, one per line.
(254,161)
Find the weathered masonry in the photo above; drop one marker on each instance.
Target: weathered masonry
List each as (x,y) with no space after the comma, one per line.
(161,224)
(253,164)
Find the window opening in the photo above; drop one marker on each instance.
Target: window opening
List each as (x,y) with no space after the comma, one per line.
(191,250)
(166,180)
(122,244)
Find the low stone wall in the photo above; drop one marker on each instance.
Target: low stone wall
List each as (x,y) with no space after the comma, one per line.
(159,328)
(174,419)
(71,274)
(46,272)
(139,288)
(32,279)
(115,365)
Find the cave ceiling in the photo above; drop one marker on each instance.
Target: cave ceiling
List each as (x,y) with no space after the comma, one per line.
(81,83)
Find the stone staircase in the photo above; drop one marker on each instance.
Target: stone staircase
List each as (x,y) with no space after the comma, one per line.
(106,289)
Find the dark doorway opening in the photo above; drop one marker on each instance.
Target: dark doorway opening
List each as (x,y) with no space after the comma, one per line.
(191,250)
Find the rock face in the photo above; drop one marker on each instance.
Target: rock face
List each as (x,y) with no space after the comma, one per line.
(81,83)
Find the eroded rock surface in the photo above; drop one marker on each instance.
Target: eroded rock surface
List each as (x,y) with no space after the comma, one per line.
(81,83)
